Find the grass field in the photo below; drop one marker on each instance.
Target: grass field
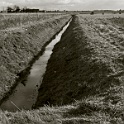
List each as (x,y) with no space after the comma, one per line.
(17,20)
(88,86)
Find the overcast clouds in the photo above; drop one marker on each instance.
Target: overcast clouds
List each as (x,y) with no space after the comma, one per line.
(65,4)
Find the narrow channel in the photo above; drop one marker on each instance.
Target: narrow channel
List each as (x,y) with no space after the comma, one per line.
(25,95)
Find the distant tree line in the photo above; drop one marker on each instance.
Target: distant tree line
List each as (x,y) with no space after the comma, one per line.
(16,9)
(13,9)
(103,12)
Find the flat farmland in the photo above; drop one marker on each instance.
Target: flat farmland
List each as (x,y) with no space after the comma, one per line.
(23,19)
(83,82)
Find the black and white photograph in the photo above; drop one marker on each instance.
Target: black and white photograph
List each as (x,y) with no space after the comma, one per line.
(61,61)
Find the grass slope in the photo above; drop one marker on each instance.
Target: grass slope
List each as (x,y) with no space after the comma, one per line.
(16,20)
(84,78)
(87,66)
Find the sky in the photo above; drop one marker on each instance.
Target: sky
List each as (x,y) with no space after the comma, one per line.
(65,4)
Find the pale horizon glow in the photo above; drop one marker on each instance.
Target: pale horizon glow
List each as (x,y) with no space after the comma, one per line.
(66,4)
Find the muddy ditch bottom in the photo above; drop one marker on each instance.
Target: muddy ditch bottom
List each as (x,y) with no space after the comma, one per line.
(25,94)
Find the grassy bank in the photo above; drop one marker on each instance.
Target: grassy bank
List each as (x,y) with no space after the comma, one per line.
(16,20)
(90,64)
(84,78)
(87,67)
(18,47)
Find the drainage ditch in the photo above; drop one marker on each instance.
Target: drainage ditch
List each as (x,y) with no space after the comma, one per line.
(25,94)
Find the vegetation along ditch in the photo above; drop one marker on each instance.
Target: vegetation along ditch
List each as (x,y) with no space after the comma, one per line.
(85,71)
(21,47)
(83,82)
(25,94)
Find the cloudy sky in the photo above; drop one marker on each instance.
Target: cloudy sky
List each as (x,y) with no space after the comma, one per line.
(65,4)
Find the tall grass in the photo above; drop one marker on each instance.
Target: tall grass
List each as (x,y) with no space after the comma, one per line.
(118,21)
(14,20)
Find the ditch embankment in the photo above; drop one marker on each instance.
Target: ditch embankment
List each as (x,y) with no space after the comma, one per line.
(20,47)
(86,71)
(25,94)
(84,77)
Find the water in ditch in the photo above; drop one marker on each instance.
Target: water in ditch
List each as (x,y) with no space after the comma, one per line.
(25,95)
